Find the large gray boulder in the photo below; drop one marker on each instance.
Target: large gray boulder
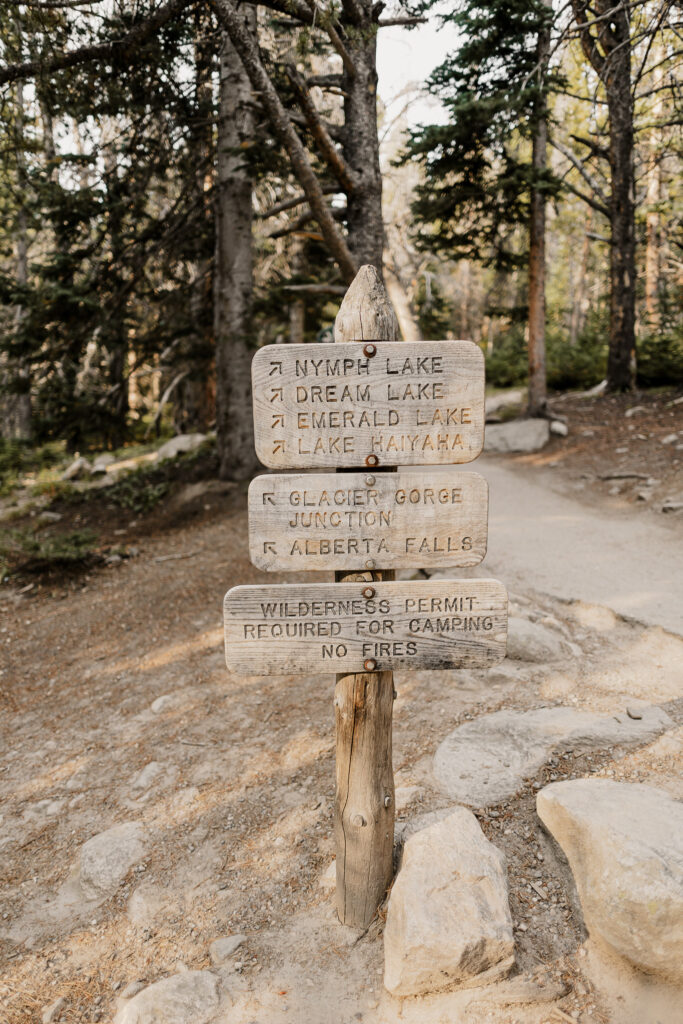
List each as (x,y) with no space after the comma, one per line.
(448,921)
(179,445)
(517,436)
(531,641)
(624,844)
(485,761)
(193,997)
(106,859)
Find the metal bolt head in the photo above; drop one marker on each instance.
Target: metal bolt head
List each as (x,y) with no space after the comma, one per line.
(369,351)
(369,480)
(371,460)
(370,564)
(370,665)
(368,592)
(387,800)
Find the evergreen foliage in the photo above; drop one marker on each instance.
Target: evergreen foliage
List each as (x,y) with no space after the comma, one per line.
(477,166)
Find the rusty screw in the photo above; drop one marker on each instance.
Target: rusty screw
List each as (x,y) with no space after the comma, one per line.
(368,592)
(370,564)
(369,480)
(370,665)
(369,351)
(371,460)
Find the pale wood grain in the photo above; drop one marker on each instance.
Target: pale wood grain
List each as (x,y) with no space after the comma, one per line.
(367,520)
(411,404)
(364,703)
(334,627)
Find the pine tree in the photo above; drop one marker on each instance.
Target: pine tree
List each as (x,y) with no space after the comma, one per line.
(486,180)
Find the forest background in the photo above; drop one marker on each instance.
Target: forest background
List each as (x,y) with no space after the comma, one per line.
(183,181)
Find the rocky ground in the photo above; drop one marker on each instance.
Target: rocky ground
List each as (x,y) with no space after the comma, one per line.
(154,807)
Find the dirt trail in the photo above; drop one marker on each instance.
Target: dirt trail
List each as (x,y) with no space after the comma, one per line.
(237,805)
(610,553)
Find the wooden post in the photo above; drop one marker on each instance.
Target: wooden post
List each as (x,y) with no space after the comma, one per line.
(364,802)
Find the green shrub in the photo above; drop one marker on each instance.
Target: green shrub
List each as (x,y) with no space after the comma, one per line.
(17,458)
(25,551)
(660,359)
(507,365)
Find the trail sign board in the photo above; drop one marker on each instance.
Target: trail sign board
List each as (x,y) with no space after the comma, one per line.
(365,520)
(368,404)
(356,627)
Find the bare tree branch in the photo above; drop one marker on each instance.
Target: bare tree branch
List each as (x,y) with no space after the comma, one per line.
(588,178)
(326,146)
(289,204)
(595,148)
(284,130)
(328,24)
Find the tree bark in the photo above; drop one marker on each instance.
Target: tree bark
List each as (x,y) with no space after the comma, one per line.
(536,347)
(608,48)
(361,142)
(654,194)
(622,341)
(15,374)
(194,402)
(233,272)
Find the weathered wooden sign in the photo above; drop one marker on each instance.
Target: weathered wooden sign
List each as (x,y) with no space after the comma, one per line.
(366,520)
(368,404)
(356,627)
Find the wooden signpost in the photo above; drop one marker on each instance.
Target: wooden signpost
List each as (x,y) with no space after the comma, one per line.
(366,520)
(356,627)
(369,405)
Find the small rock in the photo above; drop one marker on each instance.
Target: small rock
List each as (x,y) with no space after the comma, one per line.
(99,466)
(503,400)
(106,859)
(328,879)
(624,844)
(559,428)
(404,796)
(221,949)
(114,559)
(634,410)
(517,436)
(179,445)
(672,506)
(78,468)
(485,761)
(189,998)
(161,703)
(670,439)
(149,774)
(448,919)
(530,641)
(52,1012)
(50,517)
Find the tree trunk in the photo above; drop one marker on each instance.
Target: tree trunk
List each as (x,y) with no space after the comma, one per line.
(536,346)
(233,273)
(578,307)
(617,79)
(654,194)
(193,406)
(361,142)
(15,374)
(608,50)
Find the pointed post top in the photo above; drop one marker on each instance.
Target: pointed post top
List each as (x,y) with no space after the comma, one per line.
(366,312)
